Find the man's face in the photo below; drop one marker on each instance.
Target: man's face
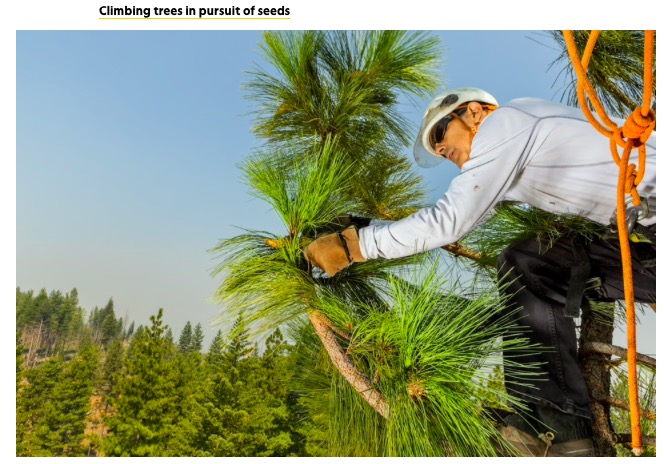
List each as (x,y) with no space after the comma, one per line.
(456,142)
(455,145)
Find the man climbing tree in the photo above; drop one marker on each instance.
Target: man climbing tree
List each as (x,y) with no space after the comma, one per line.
(548,156)
(394,353)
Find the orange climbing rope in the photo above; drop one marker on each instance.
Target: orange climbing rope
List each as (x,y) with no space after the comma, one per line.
(633,134)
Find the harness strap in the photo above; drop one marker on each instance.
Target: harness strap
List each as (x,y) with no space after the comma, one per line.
(579,273)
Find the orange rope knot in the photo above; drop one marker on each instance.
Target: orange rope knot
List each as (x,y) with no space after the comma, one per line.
(631,183)
(638,127)
(617,139)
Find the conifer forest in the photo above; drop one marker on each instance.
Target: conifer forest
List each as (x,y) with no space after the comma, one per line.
(92,384)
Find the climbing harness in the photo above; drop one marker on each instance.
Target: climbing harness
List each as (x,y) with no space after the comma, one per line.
(633,135)
(579,274)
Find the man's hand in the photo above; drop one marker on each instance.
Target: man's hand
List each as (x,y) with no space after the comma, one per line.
(336,251)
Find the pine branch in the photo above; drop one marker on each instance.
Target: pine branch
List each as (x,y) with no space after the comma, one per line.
(605,348)
(459,250)
(324,329)
(621,404)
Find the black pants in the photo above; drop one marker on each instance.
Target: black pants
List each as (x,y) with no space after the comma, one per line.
(539,282)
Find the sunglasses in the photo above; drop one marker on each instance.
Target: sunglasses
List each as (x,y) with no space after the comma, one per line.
(437,134)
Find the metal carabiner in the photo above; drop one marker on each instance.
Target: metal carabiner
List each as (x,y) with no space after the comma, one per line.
(632,214)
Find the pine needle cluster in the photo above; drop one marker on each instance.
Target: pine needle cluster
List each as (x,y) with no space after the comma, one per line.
(615,71)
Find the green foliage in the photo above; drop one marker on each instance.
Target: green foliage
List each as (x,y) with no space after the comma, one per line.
(340,84)
(49,323)
(197,338)
(647,401)
(184,343)
(344,87)
(300,193)
(112,368)
(53,403)
(494,382)
(149,417)
(512,223)
(427,354)
(67,419)
(247,410)
(215,352)
(329,112)
(33,434)
(312,374)
(104,324)
(615,70)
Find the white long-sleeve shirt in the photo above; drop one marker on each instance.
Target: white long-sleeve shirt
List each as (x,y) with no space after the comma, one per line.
(532,151)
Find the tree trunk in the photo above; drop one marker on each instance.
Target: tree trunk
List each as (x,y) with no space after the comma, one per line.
(597,374)
(34,346)
(345,365)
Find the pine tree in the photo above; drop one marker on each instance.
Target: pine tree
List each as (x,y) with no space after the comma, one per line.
(407,347)
(197,338)
(615,70)
(247,412)
(130,331)
(33,434)
(169,336)
(71,398)
(111,373)
(147,412)
(215,352)
(184,342)
(109,326)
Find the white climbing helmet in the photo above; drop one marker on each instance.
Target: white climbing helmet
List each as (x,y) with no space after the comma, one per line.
(441,106)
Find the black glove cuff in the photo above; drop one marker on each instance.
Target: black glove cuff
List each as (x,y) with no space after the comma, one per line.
(359,221)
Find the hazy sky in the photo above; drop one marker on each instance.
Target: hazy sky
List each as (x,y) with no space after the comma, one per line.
(127,145)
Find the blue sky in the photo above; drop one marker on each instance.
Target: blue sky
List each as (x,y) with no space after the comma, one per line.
(127,145)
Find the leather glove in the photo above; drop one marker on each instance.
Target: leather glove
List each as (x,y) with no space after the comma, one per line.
(335,252)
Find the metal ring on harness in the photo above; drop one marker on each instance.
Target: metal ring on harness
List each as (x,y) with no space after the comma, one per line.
(633,214)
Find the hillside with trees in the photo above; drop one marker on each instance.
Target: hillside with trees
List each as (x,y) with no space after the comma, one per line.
(88,384)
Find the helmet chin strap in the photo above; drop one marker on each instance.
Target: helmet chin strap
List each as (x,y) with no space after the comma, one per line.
(473,129)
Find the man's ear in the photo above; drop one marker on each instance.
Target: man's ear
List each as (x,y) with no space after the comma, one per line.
(476,111)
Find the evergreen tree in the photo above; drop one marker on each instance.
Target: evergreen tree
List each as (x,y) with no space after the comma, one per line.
(169,336)
(111,373)
(615,70)
(215,352)
(74,318)
(147,411)
(238,347)
(246,415)
(110,326)
(33,408)
(71,399)
(184,343)
(197,338)
(409,347)
(112,366)
(130,331)
(32,318)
